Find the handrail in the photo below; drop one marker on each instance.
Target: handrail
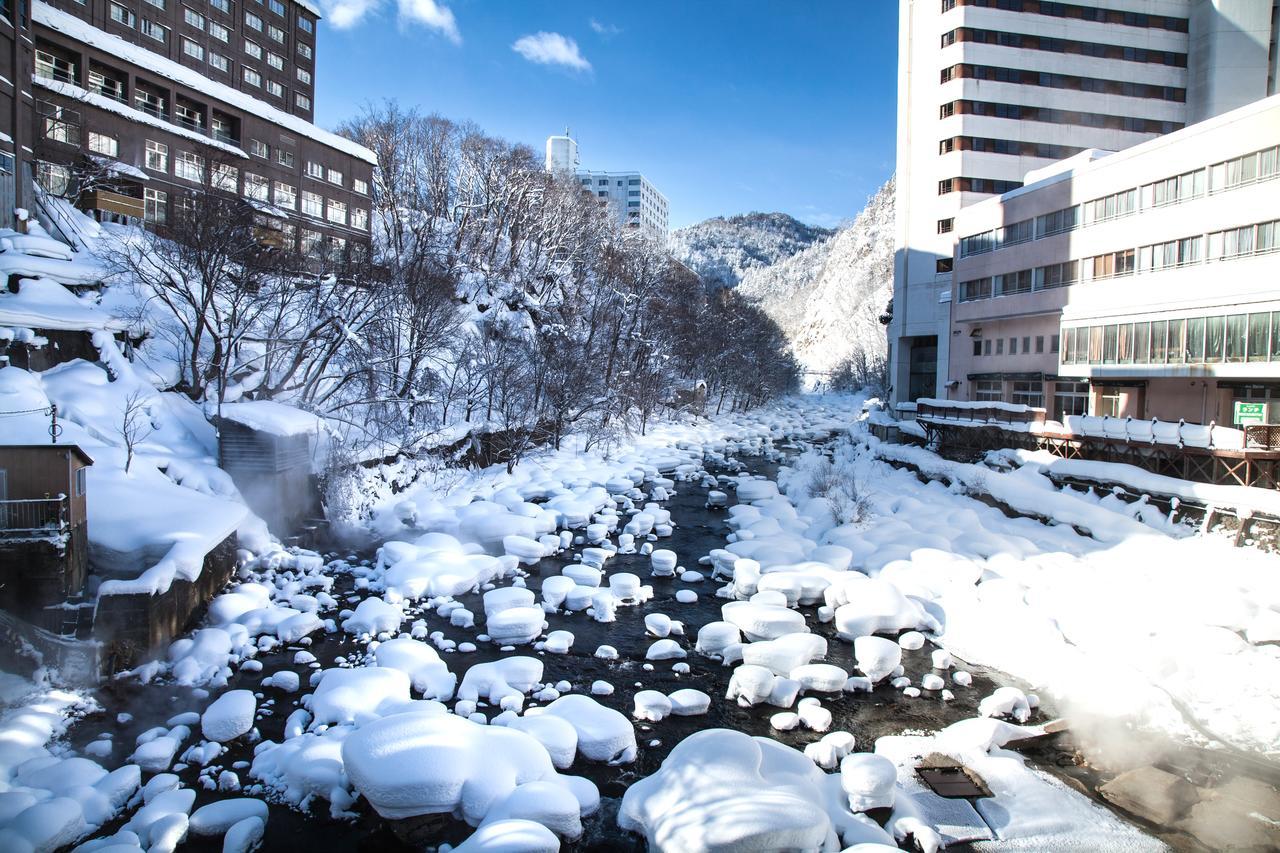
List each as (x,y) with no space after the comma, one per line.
(26,516)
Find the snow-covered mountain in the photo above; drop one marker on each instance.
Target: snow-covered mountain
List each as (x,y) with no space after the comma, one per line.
(828,297)
(723,248)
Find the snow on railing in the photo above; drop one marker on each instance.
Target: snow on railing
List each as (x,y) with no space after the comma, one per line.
(32,516)
(1155,431)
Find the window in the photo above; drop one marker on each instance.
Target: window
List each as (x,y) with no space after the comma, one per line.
(190,48)
(1112,264)
(1111,207)
(976,289)
(1013,346)
(219,32)
(988,390)
(986,347)
(337,212)
(252,21)
(275,88)
(1026,344)
(285,196)
(312,204)
(1058,222)
(276,6)
(81,481)
(945,225)
(284,158)
(999,346)
(303,102)
(304,76)
(258,148)
(940,265)
(256,187)
(159,4)
(1236,329)
(157,156)
(225,177)
(1013,282)
(1028,394)
(155,206)
(945,186)
(1174,253)
(311,242)
(193,18)
(54,177)
(253,49)
(360,218)
(223,6)
(360,185)
(1179,188)
(315,170)
(304,50)
(253,78)
(1057,275)
(60,124)
(123,16)
(977,346)
(100,143)
(1039,344)
(305,25)
(219,61)
(275,34)
(154,31)
(275,60)
(189,167)
(1069,399)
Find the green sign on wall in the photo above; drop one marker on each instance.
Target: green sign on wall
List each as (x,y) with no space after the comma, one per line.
(1250,413)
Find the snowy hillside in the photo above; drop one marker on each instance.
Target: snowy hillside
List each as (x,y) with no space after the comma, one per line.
(828,297)
(723,249)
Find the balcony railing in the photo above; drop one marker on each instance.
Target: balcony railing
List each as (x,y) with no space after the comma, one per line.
(24,519)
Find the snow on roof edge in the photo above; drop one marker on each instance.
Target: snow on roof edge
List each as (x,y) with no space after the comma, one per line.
(71,26)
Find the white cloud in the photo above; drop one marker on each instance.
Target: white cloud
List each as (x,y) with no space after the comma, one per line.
(551,49)
(606,30)
(431,14)
(345,14)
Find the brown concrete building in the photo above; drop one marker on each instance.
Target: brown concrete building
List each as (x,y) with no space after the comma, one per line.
(166,96)
(15,107)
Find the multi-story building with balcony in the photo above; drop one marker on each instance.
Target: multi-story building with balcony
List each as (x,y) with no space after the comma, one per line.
(15,107)
(634,201)
(1143,283)
(171,95)
(989,90)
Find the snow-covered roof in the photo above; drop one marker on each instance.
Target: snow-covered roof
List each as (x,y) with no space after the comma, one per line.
(124,170)
(68,25)
(272,418)
(42,303)
(310,7)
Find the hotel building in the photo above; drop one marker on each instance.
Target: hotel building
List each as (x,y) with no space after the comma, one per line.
(1143,283)
(989,90)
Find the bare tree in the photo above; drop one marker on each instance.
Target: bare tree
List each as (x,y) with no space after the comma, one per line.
(135,424)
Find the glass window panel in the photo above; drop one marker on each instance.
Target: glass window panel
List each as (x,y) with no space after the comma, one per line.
(1142,343)
(1109,341)
(1125,354)
(1158,332)
(1275,335)
(1236,327)
(1195,339)
(1175,341)
(1095,344)
(1213,338)
(1259,336)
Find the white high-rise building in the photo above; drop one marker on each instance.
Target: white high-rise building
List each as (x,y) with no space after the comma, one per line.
(562,153)
(989,90)
(633,199)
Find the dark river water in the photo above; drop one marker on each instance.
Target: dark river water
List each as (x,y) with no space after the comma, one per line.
(698,530)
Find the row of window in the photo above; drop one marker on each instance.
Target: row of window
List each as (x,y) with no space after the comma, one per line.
(1220,177)
(1098,50)
(1244,241)
(1125,88)
(1021,112)
(1016,147)
(976,185)
(192,167)
(1213,339)
(312,243)
(124,15)
(990,346)
(1077,12)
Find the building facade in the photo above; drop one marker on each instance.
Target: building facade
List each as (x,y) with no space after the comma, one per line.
(1141,284)
(635,202)
(167,97)
(562,154)
(989,90)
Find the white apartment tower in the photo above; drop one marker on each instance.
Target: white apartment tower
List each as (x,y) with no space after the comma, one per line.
(562,153)
(633,200)
(989,90)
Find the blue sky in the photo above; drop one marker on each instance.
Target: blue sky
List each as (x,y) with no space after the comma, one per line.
(726,106)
